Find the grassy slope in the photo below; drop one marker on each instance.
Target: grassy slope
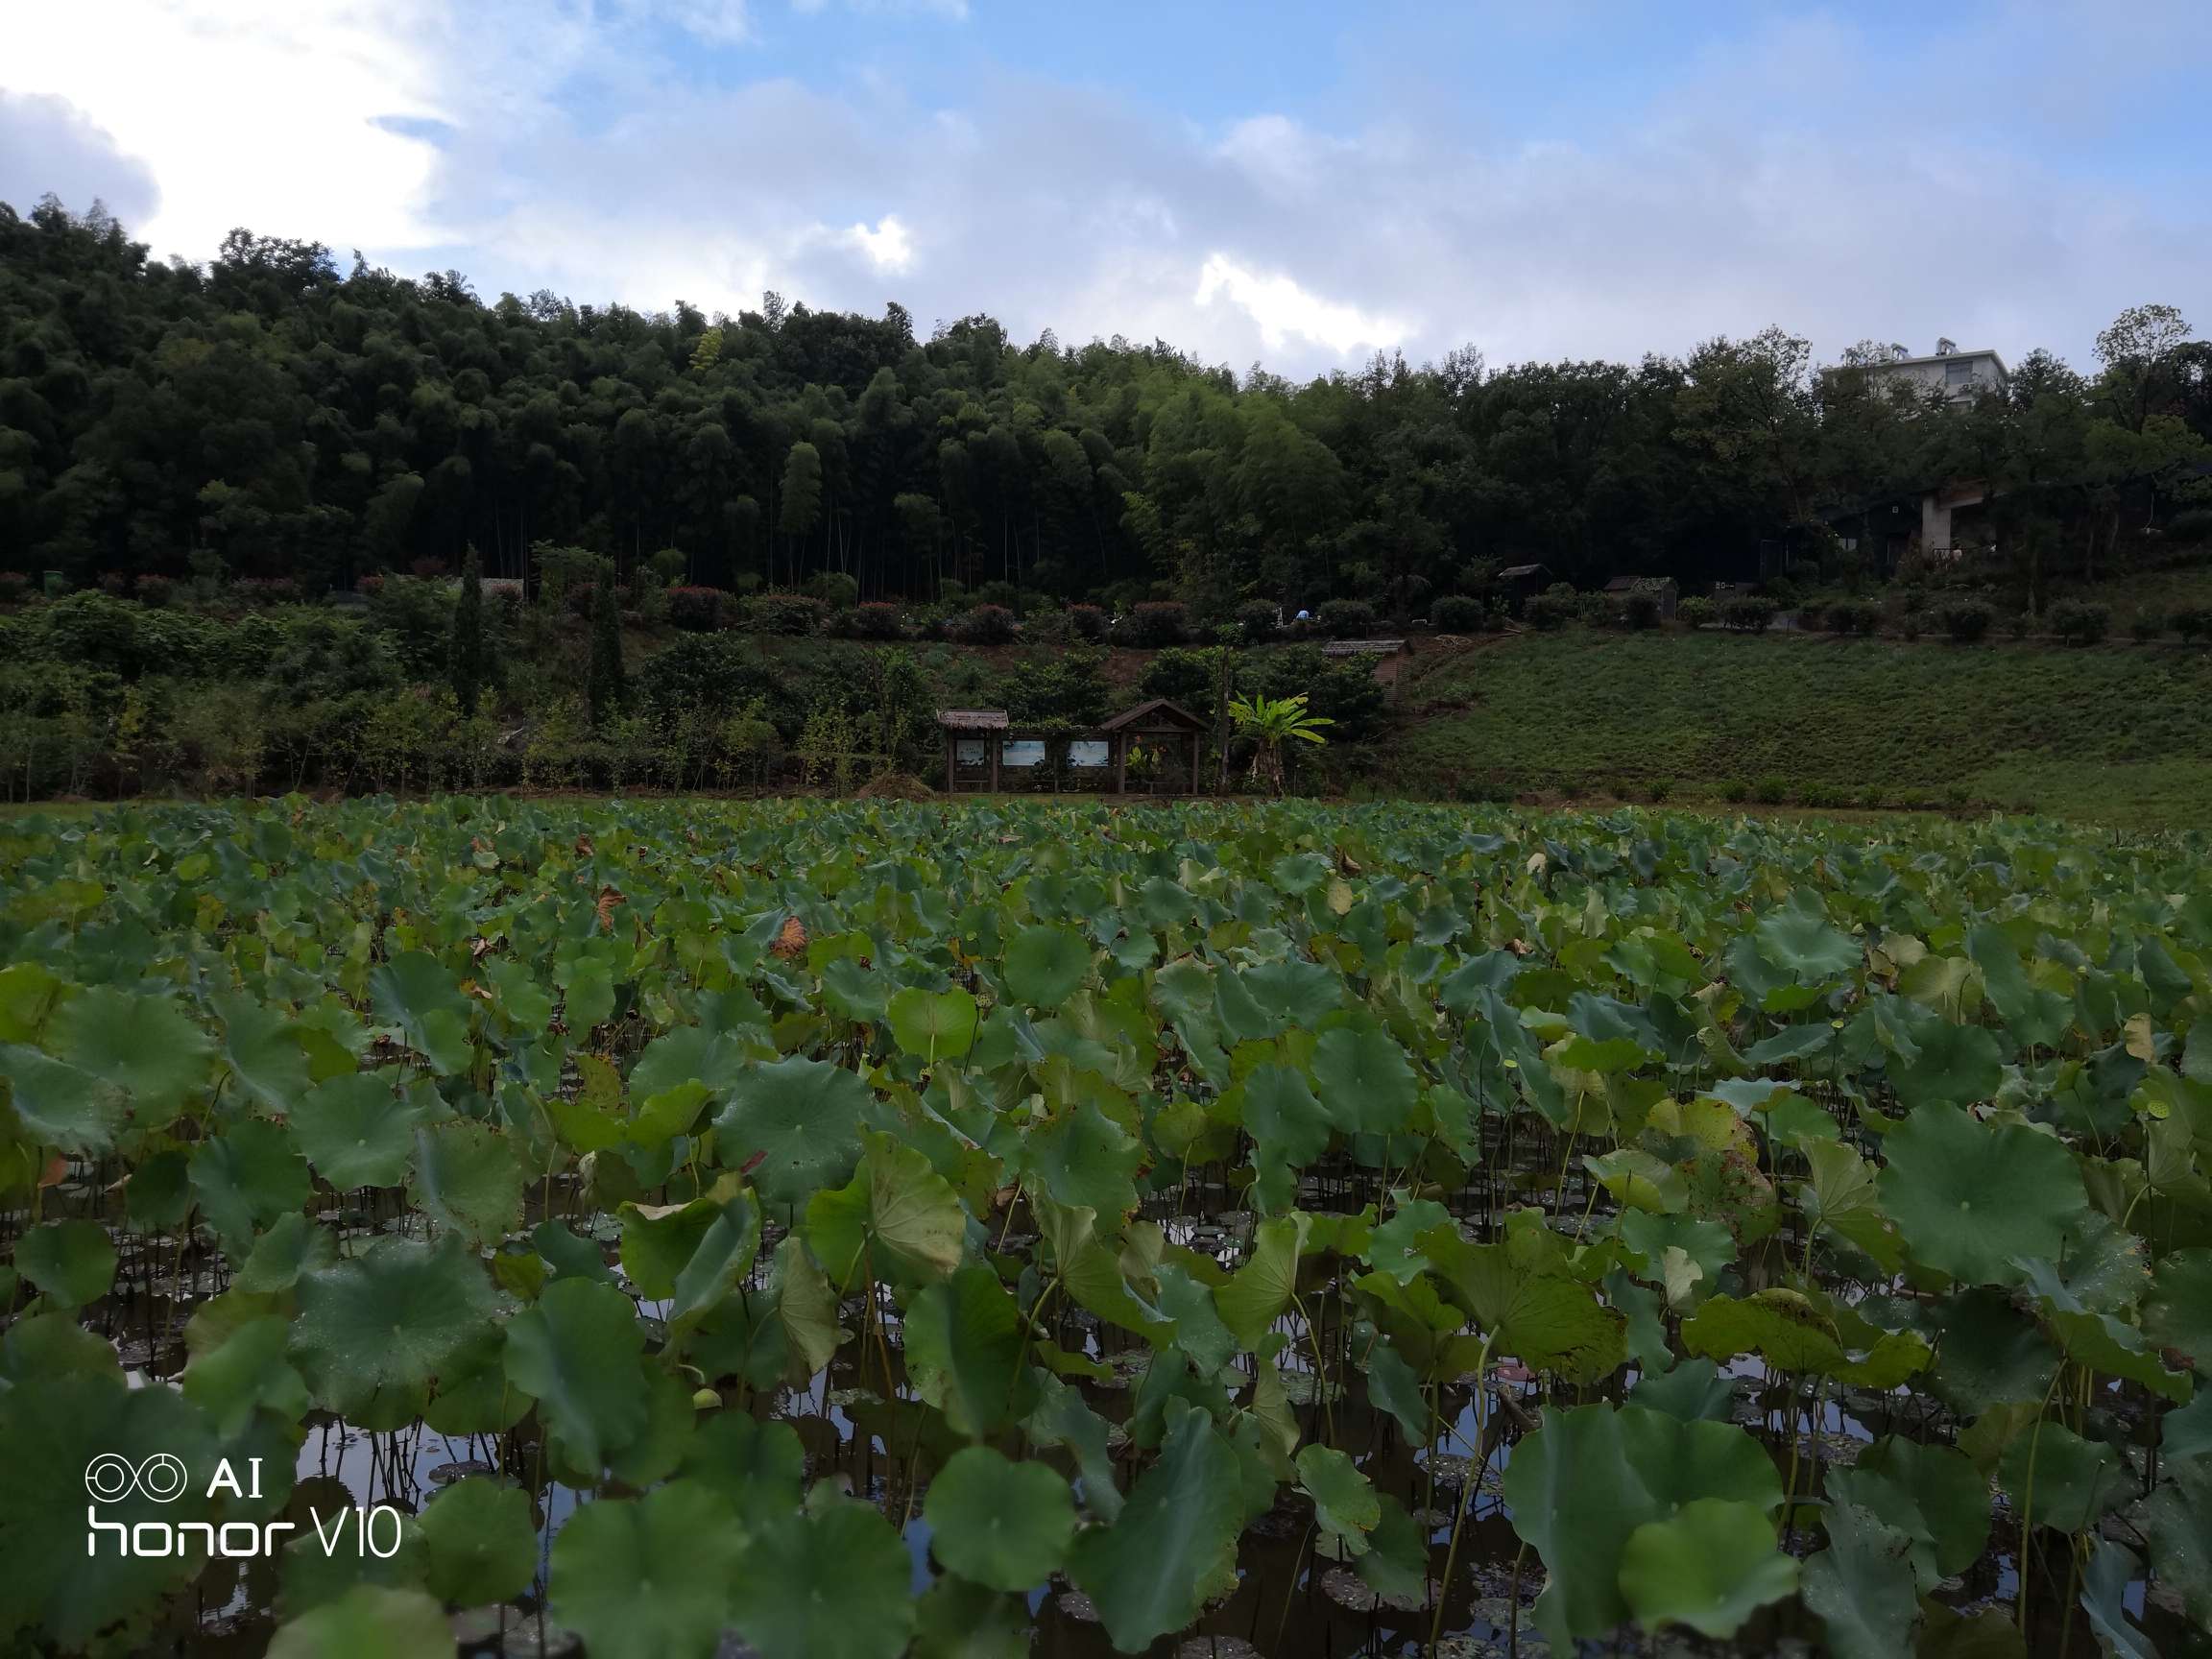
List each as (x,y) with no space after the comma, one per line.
(2158,592)
(2120,732)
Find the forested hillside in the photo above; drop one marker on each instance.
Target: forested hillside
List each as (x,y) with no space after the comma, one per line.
(273,416)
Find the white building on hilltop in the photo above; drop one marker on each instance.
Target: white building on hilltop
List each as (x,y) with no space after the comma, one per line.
(1959,376)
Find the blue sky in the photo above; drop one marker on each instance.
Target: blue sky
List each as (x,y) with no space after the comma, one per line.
(1297,184)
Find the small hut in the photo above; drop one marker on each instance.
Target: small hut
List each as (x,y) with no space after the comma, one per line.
(1158,742)
(1664,590)
(1523,583)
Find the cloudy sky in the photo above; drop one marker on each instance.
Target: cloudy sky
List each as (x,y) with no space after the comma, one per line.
(1285,182)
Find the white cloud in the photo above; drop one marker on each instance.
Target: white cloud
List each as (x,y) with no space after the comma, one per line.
(718,22)
(258,112)
(1753,188)
(888,248)
(952,10)
(1282,308)
(47,146)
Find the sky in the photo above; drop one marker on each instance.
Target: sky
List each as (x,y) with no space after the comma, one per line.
(1293,185)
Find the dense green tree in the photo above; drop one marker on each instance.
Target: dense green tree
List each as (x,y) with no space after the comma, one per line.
(271,415)
(606,687)
(469,657)
(802,496)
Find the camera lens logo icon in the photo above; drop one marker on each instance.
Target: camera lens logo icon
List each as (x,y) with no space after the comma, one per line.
(112,1478)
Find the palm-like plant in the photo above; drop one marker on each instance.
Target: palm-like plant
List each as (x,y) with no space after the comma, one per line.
(1271,722)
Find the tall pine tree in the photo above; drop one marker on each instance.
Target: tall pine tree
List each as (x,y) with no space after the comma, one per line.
(469,662)
(606,687)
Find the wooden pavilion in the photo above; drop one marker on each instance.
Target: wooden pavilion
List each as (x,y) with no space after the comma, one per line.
(1156,746)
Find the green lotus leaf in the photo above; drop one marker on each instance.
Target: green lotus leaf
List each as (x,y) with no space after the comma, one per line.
(651,1576)
(1344,1500)
(756,1466)
(1798,939)
(2101,1344)
(416,994)
(1860,1586)
(1842,1186)
(1710,1565)
(1992,1354)
(802,1118)
(897,1214)
(1544,1319)
(2112,1568)
(147,1046)
(587,993)
(831,1584)
(390,1318)
(1062,1418)
(1145,1572)
(1791,1044)
(1932,1494)
(576,1352)
(1790,1333)
(1045,965)
(261,1048)
(934,1024)
(468,1178)
(695,1054)
(1260,1289)
(357,1129)
(1586,1479)
(2060,1480)
(157,1194)
(723,1257)
(1650,1235)
(367,1621)
(1003,1524)
(60,1106)
(964,1346)
(29,995)
(246,1374)
(244,1178)
(1199,1333)
(1363,1080)
(2187,1432)
(2178,1313)
(806,1307)
(1393,1248)
(55,1345)
(73,1262)
(1098,1280)
(525,1005)
(312,1576)
(1639,1181)
(1280,1114)
(569,1256)
(480,1542)
(1972,1199)
(2037,1017)
(956,1620)
(1745,1095)
(472,1394)
(2179,1518)
(54,1428)
(657,1240)
(1292,992)
(1085,1160)
(1693,1390)
(1957,1064)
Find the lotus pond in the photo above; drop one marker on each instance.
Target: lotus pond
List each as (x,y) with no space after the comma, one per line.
(834,1230)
